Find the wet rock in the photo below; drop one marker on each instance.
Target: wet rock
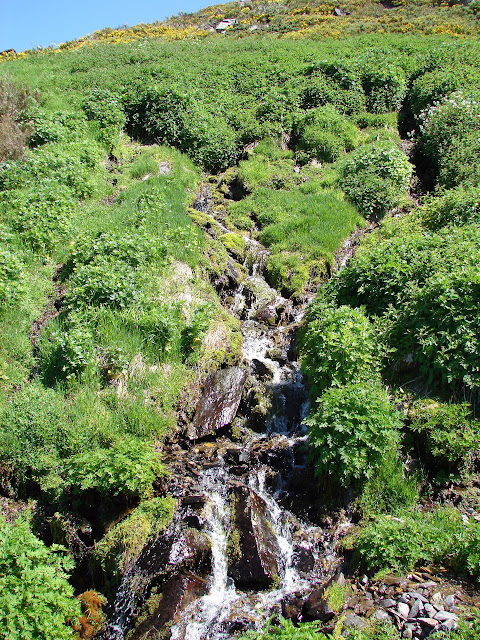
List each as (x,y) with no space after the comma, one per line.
(256,567)
(292,605)
(219,403)
(261,370)
(73,533)
(176,595)
(316,606)
(167,554)
(271,311)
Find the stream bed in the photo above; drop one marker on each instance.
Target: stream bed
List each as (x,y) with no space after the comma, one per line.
(245,544)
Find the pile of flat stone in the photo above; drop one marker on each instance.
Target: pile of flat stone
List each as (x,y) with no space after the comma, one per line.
(419,613)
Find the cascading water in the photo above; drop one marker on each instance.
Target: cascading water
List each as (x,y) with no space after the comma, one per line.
(206,616)
(260,553)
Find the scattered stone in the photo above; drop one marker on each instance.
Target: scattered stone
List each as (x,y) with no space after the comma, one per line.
(354,621)
(429,610)
(449,601)
(449,625)
(316,606)
(339,579)
(436,598)
(428,622)
(403,610)
(408,634)
(443,616)
(381,615)
(416,608)
(387,603)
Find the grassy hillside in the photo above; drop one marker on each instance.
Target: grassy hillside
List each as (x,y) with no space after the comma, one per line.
(299,130)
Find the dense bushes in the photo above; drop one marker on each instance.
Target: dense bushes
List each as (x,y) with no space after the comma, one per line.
(350,429)
(454,207)
(176,118)
(414,538)
(375,178)
(338,347)
(36,600)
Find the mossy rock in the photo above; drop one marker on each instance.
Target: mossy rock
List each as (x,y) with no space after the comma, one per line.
(123,543)
(234,243)
(205,221)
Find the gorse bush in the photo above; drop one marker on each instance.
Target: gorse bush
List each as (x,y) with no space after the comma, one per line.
(375,178)
(349,430)
(14,120)
(36,600)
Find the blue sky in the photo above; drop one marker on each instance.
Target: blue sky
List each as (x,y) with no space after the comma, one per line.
(26,24)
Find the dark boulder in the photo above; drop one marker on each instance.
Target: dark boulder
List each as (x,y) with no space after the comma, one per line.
(219,403)
(256,564)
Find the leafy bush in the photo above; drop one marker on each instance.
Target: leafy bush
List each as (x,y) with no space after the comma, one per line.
(326,134)
(438,536)
(446,432)
(105,107)
(36,600)
(59,126)
(375,178)
(338,347)
(454,207)
(390,490)
(65,349)
(12,273)
(35,435)
(172,117)
(433,86)
(350,428)
(287,631)
(459,163)
(385,86)
(43,216)
(453,117)
(128,467)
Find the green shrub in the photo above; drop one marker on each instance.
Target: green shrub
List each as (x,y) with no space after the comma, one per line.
(65,349)
(390,490)
(60,126)
(43,217)
(438,536)
(35,435)
(433,86)
(350,428)
(36,600)
(376,177)
(13,174)
(338,347)
(105,107)
(287,631)
(459,163)
(385,87)
(326,134)
(320,91)
(453,117)
(454,207)
(12,274)
(129,467)
(446,432)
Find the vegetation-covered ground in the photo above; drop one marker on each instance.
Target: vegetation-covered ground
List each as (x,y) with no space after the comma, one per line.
(109,321)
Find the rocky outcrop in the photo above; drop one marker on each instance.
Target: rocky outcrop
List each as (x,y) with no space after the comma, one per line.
(256,565)
(219,403)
